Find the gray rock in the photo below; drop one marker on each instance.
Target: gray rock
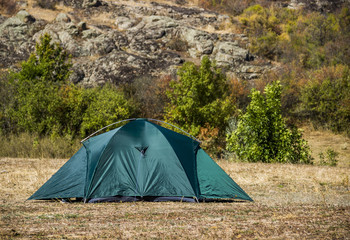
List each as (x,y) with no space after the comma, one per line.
(62,17)
(25,17)
(229,54)
(140,42)
(124,23)
(201,42)
(91,3)
(90,33)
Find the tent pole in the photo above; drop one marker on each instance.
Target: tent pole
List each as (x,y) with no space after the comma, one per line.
(175,127)
(130,119)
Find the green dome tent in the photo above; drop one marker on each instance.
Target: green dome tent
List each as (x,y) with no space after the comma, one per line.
(140,161)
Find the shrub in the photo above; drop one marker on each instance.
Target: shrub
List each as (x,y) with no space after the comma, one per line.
(108,105)
(200,103)
(311,39)
(199,97)
(178,44)
(239,91)
(6,103)
(38,104)
(262,135)
(149,95)
(326,98)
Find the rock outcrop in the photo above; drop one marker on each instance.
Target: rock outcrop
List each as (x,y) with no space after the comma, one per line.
(134,39)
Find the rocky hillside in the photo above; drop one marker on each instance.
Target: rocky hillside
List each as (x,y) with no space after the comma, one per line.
(118,41)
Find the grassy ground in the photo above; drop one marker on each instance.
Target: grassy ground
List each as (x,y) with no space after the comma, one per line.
(291,201)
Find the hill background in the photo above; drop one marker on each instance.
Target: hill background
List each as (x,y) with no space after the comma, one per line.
(139,46)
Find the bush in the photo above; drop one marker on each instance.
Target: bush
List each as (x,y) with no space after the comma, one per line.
(149,95)
(262,135)
(108,105)
(6,103)
(311,39)
(178,44)
(200,102)
(326,98)
(200,97)
(38,103)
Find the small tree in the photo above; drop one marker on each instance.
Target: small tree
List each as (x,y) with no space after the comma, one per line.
(262,135)
(325,99)
(200,98)
(38,106)
(108,105)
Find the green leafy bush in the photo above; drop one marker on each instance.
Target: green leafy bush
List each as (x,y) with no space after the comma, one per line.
(262,135)
(38,104)
(199,97)
(200,103)
(108,105)
(325,99)
(6,103)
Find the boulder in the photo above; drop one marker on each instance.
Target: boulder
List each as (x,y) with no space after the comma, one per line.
(201,42)
(123,40)
(91,3)
(124,23)
(62,17)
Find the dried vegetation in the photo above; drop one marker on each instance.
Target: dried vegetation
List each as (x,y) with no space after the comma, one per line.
(291,202)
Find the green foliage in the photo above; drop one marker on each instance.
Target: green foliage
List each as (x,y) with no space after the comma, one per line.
(6,103)
(326,98)
(38,104)
(308,38)
(264,27)
(199,98)
(45,103)
(108,105)
(329,158)
(262,135)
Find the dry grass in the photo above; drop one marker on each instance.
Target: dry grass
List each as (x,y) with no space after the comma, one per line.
(321,140)
(291,202)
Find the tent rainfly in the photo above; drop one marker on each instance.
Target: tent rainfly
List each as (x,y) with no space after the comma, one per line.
(140,161)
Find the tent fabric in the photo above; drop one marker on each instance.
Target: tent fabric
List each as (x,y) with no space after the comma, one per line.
(68,181)
(141,160)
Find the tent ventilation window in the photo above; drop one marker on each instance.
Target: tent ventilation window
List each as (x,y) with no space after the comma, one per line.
(142,150)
